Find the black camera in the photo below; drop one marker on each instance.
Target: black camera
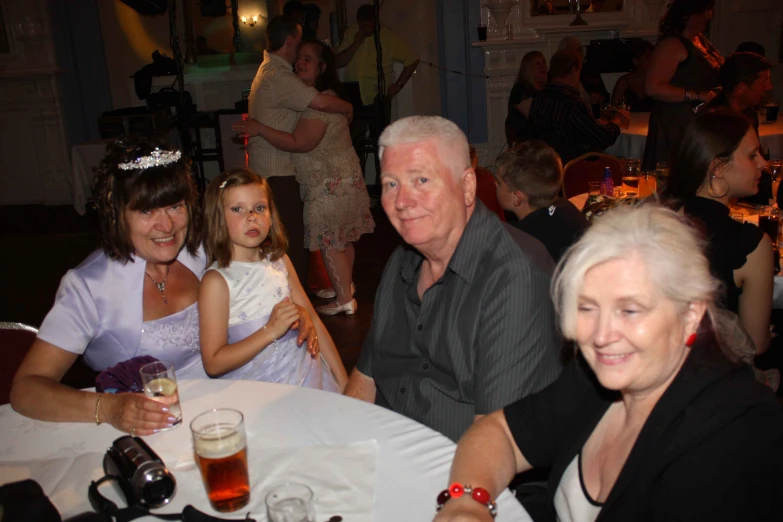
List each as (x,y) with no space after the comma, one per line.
(142,476)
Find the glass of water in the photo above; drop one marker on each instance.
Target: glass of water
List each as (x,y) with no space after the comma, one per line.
(160,384)
(290,503)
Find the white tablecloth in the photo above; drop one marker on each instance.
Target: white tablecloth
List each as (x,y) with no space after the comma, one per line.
(412,465)
(630,143)
(84,158)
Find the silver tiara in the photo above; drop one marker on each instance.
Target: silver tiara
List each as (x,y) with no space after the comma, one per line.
(157,158)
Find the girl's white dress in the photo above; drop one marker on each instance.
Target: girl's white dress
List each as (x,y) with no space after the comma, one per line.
(254,289)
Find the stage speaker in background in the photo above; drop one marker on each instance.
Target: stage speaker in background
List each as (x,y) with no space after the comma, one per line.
(213,7)
(147,7)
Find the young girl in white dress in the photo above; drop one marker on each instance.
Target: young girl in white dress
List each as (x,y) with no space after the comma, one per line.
(251,301)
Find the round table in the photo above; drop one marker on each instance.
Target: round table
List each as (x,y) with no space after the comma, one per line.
(630,143)
(411,467)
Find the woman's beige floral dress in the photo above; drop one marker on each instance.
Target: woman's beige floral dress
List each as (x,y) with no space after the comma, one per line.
(336,203)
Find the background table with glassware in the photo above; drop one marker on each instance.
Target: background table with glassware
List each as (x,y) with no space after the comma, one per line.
(630,143)
(362,461)
(742,213)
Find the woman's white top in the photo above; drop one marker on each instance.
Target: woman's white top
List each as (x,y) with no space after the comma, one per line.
(572,502)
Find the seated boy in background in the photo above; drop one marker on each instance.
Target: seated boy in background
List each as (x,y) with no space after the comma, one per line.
(528,178)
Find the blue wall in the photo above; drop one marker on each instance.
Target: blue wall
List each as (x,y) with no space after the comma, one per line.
(463,99)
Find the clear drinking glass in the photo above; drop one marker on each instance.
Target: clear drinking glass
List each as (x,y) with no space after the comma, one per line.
(647,184)
(290,503)
(594,188)
(631,166)
(661,175)
(630,186)
(220,445)
(769,222)
(160,384)
(775,171)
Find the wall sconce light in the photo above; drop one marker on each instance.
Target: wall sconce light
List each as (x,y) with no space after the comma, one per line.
(249,21)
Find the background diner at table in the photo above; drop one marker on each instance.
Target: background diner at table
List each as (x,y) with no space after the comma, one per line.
(654,419)
(718,161)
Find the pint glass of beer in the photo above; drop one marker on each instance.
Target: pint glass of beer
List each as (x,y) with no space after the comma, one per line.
(220,446)
(160,384)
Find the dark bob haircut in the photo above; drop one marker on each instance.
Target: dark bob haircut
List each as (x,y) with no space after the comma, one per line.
(116,191)
(673,24)
(711,136)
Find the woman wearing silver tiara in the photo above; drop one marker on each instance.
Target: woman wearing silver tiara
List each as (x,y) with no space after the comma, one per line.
(134,296)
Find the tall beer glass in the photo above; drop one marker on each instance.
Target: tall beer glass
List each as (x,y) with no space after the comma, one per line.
(220,445)
(160,384)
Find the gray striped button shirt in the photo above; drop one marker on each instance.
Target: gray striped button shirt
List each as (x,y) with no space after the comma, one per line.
(483,336)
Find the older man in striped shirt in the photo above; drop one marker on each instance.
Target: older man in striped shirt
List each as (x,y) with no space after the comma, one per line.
(463,321)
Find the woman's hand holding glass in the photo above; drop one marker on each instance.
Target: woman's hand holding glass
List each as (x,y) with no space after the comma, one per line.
(134,413)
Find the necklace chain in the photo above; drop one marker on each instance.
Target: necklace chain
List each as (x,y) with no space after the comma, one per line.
(160,286)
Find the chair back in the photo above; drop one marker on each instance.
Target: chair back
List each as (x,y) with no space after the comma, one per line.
(15,340)
(485,191)
(589,167)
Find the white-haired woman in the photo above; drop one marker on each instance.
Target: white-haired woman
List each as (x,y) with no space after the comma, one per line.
(651,421)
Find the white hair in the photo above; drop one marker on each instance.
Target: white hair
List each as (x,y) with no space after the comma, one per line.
(452,144)
(572,44)
(671,249)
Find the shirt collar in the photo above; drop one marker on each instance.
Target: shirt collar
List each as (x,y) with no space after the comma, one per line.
(465,260)
(277,60)
(563,87)
(706,205)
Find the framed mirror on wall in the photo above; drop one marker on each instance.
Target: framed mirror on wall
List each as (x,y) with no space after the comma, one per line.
(570,7)
(224,32)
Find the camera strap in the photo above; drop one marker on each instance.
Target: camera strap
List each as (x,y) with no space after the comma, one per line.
(109,509)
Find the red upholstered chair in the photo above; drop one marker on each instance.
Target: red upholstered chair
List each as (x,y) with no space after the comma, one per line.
(589,167)
(15,340)
(485,191)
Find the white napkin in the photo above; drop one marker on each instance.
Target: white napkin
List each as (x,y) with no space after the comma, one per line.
(342,478)
(64,480)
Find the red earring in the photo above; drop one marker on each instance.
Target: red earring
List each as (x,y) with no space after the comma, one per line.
(690,340)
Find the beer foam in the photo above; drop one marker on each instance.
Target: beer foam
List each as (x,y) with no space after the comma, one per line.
(218,444)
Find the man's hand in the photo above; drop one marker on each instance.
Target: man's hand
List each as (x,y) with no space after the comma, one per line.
(393,90)
(360,387)
(247,128)
(596,98)
(307,332)
(359,38)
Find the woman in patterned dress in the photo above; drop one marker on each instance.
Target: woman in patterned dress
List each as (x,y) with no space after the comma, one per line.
(336,203)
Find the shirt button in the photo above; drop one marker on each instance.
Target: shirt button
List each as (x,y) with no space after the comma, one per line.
(426,366)
(402,390)
(419,328)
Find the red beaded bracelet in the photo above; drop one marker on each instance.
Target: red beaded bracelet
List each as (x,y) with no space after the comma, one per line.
(480,495)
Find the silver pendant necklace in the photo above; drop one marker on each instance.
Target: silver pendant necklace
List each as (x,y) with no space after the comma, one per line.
(160,286)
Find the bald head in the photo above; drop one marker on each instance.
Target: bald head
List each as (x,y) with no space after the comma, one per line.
(572,44)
